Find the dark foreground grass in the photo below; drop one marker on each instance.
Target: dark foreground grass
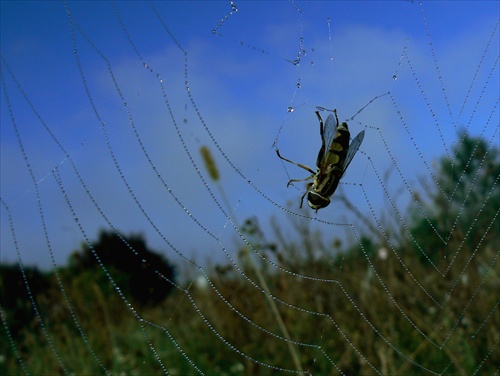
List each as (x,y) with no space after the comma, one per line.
(358,315)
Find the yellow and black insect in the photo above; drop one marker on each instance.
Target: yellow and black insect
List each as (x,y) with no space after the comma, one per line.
(331,163)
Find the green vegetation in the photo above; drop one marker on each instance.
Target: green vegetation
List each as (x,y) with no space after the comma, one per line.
(393,308)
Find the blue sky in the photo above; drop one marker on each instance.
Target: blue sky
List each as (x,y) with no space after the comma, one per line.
(241,96)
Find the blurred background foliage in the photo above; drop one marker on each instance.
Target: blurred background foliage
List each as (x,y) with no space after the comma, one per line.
(430,293)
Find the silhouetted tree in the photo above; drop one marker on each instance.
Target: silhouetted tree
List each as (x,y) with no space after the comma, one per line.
(14,295)
(465,201)
(140,272)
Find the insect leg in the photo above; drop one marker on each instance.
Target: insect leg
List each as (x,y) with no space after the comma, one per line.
(336,117)
(309,186)
(321,153)
(296,164)
(320,125)
(296,180)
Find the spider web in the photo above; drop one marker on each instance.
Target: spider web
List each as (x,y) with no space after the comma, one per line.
(111,115)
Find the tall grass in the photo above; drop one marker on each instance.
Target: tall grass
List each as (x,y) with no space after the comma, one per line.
(366,317)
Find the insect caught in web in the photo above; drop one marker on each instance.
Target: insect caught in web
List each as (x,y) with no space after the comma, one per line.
(333,159)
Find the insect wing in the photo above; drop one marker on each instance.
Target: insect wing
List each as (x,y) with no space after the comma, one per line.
(328,133)
(353,149)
